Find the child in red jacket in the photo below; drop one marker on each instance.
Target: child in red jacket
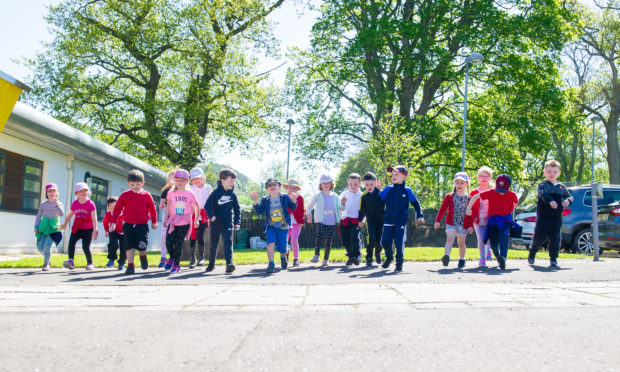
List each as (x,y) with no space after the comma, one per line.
(297,217)
(115,237)
(458,225)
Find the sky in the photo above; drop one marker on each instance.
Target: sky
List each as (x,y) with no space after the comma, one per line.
(24,21)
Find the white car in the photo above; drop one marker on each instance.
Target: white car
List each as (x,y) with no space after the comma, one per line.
(528,221)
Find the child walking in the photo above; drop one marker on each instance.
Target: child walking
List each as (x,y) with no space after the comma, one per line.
(397,198)
(116,241)
(181,213)
(275,207)
(47,223)
(162,205)
(84,225)
(481,214)
(326,206)
(553,197)
(372,210)
(202,192)
(297,216)
(458,225)
(135,204)
(502,202)
(224,213)
(349,223)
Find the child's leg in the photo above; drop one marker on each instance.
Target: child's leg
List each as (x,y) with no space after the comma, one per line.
(45,245)
(345,231)
(387,236)
(87,237)
(200,236)
(73,239)
(462,248)
(329,236)
(450,235)
(372,239)
(555,238)
(121,247)
(482,247)
(400,236)
(214,237)
(503,244)
(540,235)
(163,238)
(112,245)
(320,238)
(179,234)
(355,240)
(378,230)
(294,233)
(494,235)
(228,246)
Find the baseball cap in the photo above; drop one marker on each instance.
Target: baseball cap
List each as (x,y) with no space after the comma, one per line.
(502,183)
(51,186)
(399,168)
(181,173)
(196,172)
(80,186)
(461,176)
(272,180)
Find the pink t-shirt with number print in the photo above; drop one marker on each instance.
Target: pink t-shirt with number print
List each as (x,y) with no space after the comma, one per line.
(179,204)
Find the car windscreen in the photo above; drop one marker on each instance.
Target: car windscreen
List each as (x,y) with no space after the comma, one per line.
(609,197)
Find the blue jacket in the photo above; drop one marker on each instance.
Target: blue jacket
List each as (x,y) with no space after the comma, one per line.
(397,199)
(223,204)
(286,203)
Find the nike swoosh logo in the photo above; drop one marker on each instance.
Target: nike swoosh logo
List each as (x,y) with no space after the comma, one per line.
(220,202)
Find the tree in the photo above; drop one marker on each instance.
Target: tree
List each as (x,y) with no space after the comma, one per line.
(601,40)
(157,78)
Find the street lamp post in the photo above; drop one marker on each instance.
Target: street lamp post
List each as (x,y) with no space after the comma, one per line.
(290,122)
(474,58)
(594,198)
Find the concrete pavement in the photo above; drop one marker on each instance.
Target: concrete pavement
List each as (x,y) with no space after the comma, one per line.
(307,318)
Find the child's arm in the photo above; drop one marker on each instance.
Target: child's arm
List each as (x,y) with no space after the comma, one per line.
(292,205)
(59,208)
(310,208)
(471,204)
(196,213)
(208,207)
(67,219)
(442,210)
(106,224)
(567,198)
(37,220)
(415,203)
(361,213)
(93,216)
(162,203)
(150,205)
(166,215)
(237,210)
(544,195)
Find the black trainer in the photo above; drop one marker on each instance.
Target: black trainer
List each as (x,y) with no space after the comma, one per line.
(210,268)
(386,263)
(283,262)
(144,262)
(368,263)
(445,260)
(192,262)
(378,258)
(501,261)
(461,264)
(229,267)
(399,267)
(531,257)
(349,262)
(130,270)
(356,261)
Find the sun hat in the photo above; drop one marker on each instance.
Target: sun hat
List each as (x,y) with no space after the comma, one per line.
(325,178)
(81,186)
(196,172)
(292,183)
(181,173)
(399,168)
(461,176)
(502,183)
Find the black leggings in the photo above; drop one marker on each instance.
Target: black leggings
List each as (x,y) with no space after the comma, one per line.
(174,242)
(324,237)
(375,228)
(200,237)
(86,235)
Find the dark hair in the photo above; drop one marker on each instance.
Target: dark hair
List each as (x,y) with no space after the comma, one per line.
(135,176)
(370,177)
(225,173)
(354,176)
(111,199)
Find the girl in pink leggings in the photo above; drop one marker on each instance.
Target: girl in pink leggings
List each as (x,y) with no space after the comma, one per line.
(297,217)
(481,214)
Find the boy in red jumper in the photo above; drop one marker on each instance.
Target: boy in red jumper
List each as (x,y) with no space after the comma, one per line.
(115,237)
(135,204)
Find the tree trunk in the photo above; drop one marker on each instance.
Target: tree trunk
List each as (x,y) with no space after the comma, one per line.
(613,148)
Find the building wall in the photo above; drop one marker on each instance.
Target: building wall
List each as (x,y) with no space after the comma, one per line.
(17,229)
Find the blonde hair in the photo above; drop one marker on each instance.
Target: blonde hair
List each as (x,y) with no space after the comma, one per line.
(485,169)
(168,176)
(552,163)
(331,185)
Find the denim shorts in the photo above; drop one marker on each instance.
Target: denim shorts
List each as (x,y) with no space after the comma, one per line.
(459,229)
(278,236)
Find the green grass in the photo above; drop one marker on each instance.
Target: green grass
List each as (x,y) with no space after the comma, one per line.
(254,256)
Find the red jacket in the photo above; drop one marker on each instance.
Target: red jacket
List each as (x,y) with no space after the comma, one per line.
(475,209)
(107,219)
(447,205)
(300,212)
(135,207)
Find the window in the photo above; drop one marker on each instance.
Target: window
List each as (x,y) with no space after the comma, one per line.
(609,197)
(99,196)
(20,182)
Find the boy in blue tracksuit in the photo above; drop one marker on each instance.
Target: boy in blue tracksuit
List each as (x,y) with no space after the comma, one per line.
(275,207)
(397,198)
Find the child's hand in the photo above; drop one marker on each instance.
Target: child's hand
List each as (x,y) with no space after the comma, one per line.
(309,218)
(553,204)
(107,234)
(470,230)
(420,221)
(343,200)
(154,225)
(436,225)
(213,219)
(63,226)
(361,224)
(565,203)
(196,221)
(254,196)
(468,212)
(237,227)
(36,231)
(112,227)
(95,234)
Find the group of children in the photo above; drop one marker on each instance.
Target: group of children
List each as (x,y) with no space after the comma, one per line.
(189,209)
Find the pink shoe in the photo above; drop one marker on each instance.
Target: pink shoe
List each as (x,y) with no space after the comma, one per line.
(68,264)
(90,267)
(46,266)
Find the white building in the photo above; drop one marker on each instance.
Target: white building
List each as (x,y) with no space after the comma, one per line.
(36,149)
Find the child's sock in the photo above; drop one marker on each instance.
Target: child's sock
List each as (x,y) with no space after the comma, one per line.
(130,265)
(272,262)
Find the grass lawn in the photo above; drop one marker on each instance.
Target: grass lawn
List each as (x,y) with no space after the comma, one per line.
(257,256)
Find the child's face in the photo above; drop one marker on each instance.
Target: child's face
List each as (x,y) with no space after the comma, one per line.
(460,185)
(83,194)
(135,186)
(325,186)
(228,183)
(370,185)
(180,182)
(552,173)
(274,189)
(484,178)
(111,206)
(354,184)
(198,181)
(52,194)
(398,177)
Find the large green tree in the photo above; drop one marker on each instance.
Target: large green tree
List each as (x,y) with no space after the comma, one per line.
(159,79)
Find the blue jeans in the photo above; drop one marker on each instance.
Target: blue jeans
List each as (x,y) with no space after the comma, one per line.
(397,235)
(44,246)
(499,238)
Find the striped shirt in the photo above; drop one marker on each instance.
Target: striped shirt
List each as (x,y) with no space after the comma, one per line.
(49,210)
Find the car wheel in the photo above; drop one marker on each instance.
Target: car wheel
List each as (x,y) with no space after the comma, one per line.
(582,242)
